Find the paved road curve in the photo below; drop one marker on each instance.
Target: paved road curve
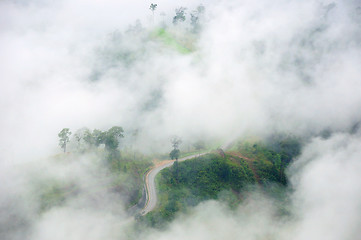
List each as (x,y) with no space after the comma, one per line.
(150,182)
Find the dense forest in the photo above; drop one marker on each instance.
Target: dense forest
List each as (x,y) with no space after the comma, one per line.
(225,176)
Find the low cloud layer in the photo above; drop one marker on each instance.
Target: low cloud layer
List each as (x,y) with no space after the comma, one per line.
(255,68)
(325,202)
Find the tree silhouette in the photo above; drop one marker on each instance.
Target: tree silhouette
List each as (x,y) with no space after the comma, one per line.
(153,7)
(64,138)
(179,15)
(174,154)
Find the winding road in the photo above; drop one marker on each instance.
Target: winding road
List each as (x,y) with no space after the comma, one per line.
(151,192)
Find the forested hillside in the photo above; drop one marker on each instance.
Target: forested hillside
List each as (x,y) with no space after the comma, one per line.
(181,120)
(225,176)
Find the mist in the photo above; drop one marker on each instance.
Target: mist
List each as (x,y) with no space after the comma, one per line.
(253,69)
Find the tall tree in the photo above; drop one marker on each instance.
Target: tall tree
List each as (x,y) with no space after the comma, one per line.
(88,138)
(174,154)
(98,137)
(83,138)
(79,134)
(175,141)
(111,138)
(64,138)
(152,8)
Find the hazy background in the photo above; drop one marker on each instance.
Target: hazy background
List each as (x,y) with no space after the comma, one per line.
(257,68)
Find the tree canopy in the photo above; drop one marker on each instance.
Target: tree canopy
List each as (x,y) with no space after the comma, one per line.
(174,154)
(64,138)
(179,15)
(112,136)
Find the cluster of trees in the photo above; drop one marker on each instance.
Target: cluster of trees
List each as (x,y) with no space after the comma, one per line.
(223,176)
(181,15)
(137,43)
(127,168)
(196,180)
(85,138)
(208,174)
(271,159)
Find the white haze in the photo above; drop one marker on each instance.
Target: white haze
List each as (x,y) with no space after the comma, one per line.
(325,204)
(259,67)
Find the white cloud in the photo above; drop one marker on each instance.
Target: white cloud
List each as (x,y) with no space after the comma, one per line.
(259,67)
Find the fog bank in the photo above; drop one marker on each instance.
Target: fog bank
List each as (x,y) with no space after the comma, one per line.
(252,69)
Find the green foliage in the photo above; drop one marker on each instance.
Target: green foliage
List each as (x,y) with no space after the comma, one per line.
(207,175)
(86,139)
(153,7)
(188,183)
(98,137)
(83,138)
(111,138)
(271,159)
(179,15)
(132,47)
(128,169)
(288,147)
(171,41)
(64,138)
(53,196)
(51,193)
(215,177)
(174,154)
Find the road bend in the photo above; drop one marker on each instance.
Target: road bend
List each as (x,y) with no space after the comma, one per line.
(150,182)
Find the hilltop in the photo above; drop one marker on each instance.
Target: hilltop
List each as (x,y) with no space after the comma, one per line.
(225,176)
